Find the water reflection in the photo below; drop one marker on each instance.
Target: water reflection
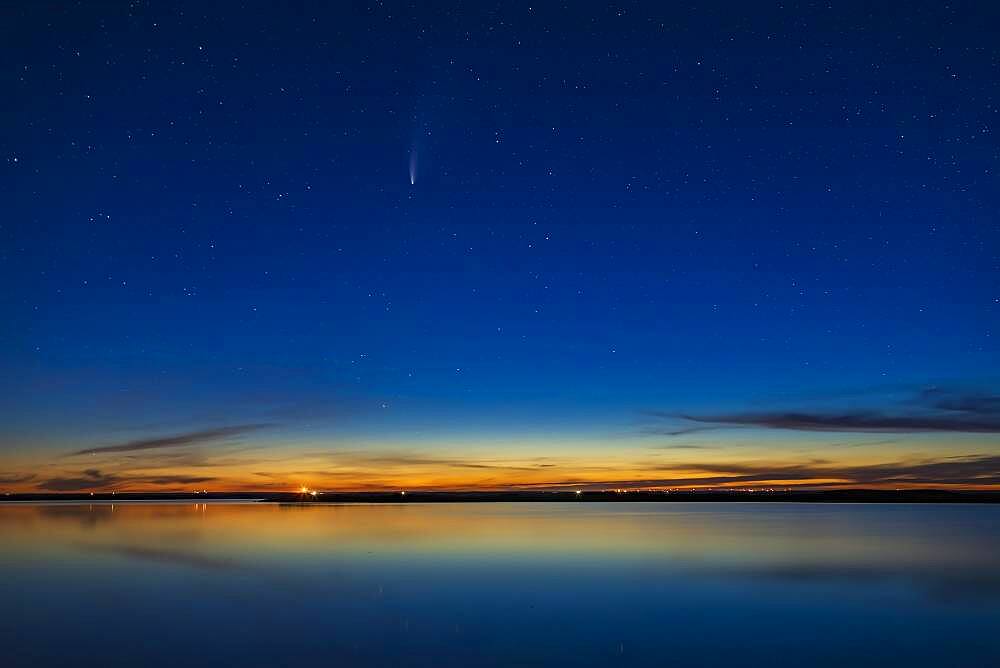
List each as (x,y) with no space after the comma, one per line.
(502,584)
(173,556)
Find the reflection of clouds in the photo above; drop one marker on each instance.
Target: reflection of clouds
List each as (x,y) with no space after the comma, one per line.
(944,582)
(278,580)
(87,517)
(174,556)
(129,514)
(941,553)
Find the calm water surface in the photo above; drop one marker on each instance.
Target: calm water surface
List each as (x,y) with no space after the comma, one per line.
(578,584)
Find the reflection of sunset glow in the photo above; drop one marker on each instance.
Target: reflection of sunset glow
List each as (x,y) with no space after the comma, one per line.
(574,562)
(223,531)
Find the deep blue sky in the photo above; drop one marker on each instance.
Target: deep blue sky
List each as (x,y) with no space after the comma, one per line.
(209,220)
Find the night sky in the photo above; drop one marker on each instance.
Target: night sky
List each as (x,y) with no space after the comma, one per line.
(400,246)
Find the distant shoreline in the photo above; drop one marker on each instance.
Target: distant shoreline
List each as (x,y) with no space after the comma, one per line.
(794,496)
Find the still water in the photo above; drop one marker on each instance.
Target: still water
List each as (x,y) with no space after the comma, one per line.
(580,584)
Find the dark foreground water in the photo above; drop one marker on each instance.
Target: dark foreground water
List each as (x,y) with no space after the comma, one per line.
(499,585)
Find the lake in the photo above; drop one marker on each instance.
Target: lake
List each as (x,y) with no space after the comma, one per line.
(504,584)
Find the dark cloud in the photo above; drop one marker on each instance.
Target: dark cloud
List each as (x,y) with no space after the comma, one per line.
(177,440)
(928,411)
(964,402)
(90,479)
(175,479)
(871,422)
(94,479)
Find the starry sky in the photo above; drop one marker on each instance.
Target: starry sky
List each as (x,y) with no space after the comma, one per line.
(498,246)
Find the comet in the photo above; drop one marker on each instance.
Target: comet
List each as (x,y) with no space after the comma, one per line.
(413,167)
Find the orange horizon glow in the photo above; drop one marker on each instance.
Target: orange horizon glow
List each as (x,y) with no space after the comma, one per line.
(317,485)
(524,466)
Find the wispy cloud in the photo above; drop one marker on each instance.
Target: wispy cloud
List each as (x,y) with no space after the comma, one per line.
(16,478)
(406,459)
(972,470)
(388,459)
(664,430)
(929,411)
(177,440)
